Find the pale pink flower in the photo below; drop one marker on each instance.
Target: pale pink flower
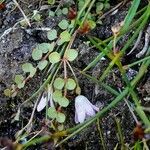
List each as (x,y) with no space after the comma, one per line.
(45,99)
(83,109)
(42,103)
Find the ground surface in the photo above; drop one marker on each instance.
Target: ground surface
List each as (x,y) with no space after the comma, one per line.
(16,48)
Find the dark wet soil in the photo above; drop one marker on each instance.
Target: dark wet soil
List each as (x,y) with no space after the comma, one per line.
(16,48)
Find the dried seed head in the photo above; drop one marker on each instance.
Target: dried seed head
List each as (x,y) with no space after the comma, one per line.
(116,28)
(72,13)
(85,28)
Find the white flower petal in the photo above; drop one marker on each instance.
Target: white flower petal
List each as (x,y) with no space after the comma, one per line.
(81,116)
(83,108)
(42,103)
(80,112)
(76,118)
(50,98)
(89,109)
(89,103)
(95,108)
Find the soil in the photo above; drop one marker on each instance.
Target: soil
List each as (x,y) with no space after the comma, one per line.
(16,48)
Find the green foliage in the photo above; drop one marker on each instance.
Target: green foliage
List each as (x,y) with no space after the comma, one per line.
(37,54)
(37,17)
(71,54)
(102,5)
(65,36)
(59,83)
(51,14)
(92,24)
(63,101)
(65,11)
(52,35)
(52,113)
(99,7)
(19,80)
(51,2)
(42,64)
(59,12)
(54,57)
(60,117)
(63,24)
(23,23)
(7,92)
(57,95)
(45,47)
(32,72)
(72,24)
(81,4)
(28,68)
(70,84)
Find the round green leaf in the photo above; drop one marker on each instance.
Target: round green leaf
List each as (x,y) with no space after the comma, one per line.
(92,24)
(60,117)
(65,11)
(32,71)
(51,2)
(37,54)
(54,57)
(57,95)
(60,42)
(63,24)
(19,79)
(45,47)
(52,34)
(27,67)
(107,6)
(71,54)
(65,36)
(99,7)
(7,92)
(59,12)
(52,113)
(81,4)
(37,17)
(63,101)
(21,85)
(51,13)
(70,84)
(42,64)
(59,83)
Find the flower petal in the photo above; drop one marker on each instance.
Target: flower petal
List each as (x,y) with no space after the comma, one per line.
(95,108)
(89,109)
(49,95)
(81,116)
(79,112)
(42,103)
(83,108)
(76,118)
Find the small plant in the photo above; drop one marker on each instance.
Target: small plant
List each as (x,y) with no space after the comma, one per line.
(57,54)
(102,5)
(60,87)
